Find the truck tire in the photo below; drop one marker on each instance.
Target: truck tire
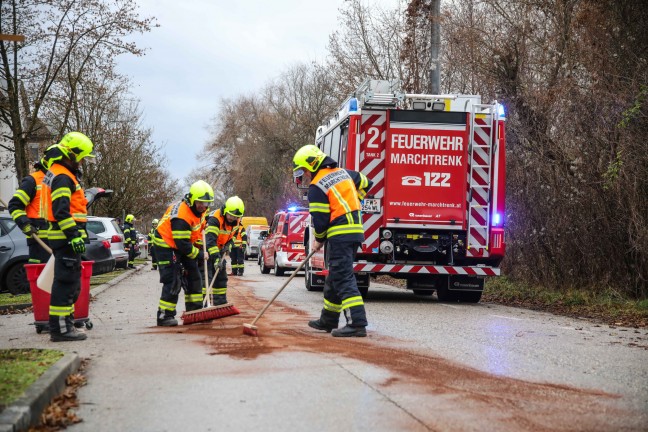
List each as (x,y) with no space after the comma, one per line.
(470,296)
(423,292)
(308,278)
(262,266)
(364,290)
(279,271)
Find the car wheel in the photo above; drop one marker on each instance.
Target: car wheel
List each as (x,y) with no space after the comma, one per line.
(17,282)
(262,267)
(279,271)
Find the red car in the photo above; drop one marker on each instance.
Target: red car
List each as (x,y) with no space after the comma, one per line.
(283,248)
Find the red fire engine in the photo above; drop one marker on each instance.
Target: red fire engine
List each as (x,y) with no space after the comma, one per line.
(435,213)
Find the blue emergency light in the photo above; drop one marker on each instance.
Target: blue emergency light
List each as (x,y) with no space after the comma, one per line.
(497,218)
(292,209)
(500,110)
(353,105)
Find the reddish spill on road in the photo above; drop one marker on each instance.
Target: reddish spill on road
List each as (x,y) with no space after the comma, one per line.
(457,398)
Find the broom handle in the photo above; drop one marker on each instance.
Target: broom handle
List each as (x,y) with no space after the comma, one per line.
(42,244)
(294,273)
(207,300)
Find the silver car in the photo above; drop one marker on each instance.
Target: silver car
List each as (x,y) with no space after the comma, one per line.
(14,253)
(109,229)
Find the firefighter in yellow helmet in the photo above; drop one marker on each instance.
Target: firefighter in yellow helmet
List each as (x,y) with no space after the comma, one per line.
(63,204)
(151,246)
(130,239)
(24,208)
(222,226)
(176,253)
(334,198)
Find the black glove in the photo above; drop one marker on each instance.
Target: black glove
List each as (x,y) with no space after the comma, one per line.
(29,229)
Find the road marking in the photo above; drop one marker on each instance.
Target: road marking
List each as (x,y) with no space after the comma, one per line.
(505,317)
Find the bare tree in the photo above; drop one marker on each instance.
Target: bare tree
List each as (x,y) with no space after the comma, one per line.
(65,40)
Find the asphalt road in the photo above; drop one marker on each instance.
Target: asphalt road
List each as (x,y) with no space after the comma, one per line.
(424,366)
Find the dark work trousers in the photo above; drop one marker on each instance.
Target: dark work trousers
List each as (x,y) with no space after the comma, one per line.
(65,289)
(238,261)
(131,255)
(219,288)
(153,257)
(340,288)
(173,266)
(38,255)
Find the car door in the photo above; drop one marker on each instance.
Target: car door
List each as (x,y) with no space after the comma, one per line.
(6,248)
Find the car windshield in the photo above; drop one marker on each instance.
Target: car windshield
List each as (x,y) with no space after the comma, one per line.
(8,223)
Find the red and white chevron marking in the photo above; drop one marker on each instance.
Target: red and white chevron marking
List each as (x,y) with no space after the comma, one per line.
(423,269)
(296,256)
(478,233)
(374,169)
(297,223)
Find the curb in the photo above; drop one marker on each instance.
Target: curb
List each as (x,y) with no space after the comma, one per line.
(26,410)
(103,287)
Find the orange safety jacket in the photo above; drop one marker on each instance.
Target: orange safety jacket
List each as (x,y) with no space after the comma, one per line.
(218,231)
(33,209)
(78,204)
(166,237)
(333,194)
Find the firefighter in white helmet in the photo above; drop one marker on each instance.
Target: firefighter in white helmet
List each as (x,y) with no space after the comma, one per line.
(334,198)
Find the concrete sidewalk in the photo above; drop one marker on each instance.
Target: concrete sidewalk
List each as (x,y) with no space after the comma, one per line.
(145,378)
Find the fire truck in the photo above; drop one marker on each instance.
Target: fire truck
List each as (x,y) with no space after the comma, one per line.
(435,213)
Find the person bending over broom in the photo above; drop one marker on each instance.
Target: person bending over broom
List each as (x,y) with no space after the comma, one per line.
(174,248)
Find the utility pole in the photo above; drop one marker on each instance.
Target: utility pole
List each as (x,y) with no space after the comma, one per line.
(435,47)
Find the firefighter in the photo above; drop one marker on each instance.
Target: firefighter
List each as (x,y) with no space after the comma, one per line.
(24,207)
(238,251)
(222,224)
(151,246)
(130,239)
(176,253)
(334,198)
(63,204)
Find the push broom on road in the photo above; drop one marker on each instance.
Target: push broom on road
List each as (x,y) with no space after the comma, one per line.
(251,329)
(209,312)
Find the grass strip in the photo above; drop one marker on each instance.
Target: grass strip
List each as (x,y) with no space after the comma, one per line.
(19,368)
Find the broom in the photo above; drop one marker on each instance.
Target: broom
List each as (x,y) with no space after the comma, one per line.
(208,312)
(251,329)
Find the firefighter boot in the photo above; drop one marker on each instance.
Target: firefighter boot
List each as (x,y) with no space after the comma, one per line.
(349,331)
(164,320)
(62,330)
(219,299)
(327,322)
(356,323)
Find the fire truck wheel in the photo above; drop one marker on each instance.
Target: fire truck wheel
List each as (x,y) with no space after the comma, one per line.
(423,292)
(279,271)
(470,296)
(308,278)
(364,290)
(262,266)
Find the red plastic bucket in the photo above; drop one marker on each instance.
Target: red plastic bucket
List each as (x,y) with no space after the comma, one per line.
(41,299)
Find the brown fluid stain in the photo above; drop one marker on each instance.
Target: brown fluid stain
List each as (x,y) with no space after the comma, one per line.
(457,397)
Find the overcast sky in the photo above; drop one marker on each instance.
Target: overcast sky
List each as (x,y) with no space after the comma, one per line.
(206,50)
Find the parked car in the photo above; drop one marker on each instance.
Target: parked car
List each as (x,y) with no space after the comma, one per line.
(284,247)
(14,254)
(108,229)
(253,232)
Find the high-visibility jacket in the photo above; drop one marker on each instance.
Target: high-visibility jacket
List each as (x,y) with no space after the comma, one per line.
(24,206)
(176,228)
(240,238)
(218,232)
(130,236)
(334,203)
(63,203)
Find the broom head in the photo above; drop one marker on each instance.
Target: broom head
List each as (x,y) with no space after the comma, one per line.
(209,313)
(250,330)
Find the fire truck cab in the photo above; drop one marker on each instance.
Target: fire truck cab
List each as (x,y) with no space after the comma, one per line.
(435,213)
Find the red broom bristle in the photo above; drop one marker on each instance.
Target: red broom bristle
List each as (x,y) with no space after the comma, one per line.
(209,313)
